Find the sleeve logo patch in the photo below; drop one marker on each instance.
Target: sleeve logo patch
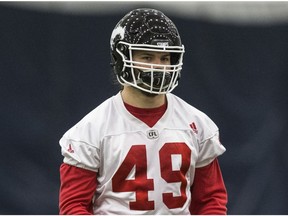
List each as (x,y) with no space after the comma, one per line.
(193,127)
(70,149)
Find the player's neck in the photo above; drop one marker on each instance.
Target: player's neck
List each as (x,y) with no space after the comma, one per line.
(137,98)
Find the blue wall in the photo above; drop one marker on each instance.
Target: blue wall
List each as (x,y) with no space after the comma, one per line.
(54,69)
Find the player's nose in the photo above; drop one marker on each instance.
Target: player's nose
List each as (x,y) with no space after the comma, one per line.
(158,63)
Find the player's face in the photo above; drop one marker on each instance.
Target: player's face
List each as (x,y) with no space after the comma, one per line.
(153,60)
(161,58)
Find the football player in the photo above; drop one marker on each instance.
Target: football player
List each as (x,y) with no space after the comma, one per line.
(144,150)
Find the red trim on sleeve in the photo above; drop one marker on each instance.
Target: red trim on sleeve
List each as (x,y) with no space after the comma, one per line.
(76,190)
(208,192)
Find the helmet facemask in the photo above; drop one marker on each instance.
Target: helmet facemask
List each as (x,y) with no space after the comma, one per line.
(151,78)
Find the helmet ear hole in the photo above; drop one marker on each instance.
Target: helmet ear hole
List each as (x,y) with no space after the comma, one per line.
(116,59)
(121,53)
(123,49)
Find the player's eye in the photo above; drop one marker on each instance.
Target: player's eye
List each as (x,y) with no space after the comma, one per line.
(146,58)
(165,59)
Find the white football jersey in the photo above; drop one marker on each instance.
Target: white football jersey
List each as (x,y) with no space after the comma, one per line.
(142,170)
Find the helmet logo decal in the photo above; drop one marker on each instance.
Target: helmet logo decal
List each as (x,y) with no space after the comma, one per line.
(117,32)
(162,44)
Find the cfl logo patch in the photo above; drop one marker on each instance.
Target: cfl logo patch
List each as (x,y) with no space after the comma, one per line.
(152,134)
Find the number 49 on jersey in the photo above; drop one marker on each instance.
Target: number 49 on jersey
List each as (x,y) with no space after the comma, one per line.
(137,156)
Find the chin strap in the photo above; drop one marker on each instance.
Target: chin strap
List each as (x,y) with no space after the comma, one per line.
(156,80)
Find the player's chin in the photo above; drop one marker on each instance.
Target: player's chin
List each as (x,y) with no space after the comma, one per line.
(149,94)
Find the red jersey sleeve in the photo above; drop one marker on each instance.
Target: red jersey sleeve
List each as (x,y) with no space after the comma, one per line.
(209,195)
(76,190)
